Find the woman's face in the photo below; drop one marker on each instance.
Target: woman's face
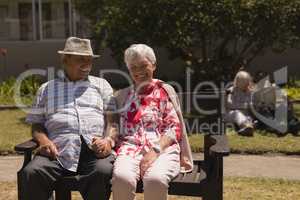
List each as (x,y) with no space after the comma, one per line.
(244,85)
(141,71)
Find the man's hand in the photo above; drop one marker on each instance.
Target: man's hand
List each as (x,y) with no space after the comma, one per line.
(48,149)
(101,146)
(46,146)
(147,160)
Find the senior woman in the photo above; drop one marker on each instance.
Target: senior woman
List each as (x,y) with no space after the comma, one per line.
(238,103)
(152,144)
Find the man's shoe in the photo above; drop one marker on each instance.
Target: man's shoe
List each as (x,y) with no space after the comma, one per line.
(246,131)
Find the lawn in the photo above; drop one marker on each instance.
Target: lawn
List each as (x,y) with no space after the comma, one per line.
(261,143)
(235,188)
(13,130)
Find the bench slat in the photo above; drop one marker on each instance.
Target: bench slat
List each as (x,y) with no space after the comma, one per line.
(189,184)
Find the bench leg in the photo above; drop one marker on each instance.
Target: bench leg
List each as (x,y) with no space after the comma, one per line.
(20,189)
(214,186)
(62,195)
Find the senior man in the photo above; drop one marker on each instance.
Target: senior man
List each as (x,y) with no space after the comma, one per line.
(72,123)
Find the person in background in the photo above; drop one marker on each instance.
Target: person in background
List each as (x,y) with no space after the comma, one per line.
(238,103)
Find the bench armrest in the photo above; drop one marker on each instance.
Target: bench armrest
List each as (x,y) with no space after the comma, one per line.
(27,146)
(220,145)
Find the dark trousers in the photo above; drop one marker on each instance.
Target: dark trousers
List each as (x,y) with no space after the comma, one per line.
(41,173)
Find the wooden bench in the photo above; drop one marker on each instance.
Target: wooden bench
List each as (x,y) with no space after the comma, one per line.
(206,180)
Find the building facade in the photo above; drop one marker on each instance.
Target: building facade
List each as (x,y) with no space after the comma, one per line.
(38,20)
(31,32)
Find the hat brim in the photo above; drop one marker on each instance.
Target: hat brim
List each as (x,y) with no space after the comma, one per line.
(78,54)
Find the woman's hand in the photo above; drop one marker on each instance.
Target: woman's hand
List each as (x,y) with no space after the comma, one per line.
(101,146)
(147,160)
(151,156)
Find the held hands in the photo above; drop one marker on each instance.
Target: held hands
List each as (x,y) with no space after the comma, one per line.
(147,160)
(48,149)
(101,146)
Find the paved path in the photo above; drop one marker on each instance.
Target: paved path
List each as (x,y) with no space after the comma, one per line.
(286,167)
(9,165)
(269,166)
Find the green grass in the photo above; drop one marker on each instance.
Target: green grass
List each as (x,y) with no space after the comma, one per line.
(259,144)
(262,142)
(259,188)
(235,188)
(13,130)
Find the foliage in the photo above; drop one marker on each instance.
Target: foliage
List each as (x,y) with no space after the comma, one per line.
(6,87)
(297,110)
(293,92)
(294,81)
(215,37)
(28,89)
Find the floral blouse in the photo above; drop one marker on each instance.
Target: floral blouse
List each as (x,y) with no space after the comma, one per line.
(149,115)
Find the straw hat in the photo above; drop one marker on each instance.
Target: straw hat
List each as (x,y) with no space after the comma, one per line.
(78,46)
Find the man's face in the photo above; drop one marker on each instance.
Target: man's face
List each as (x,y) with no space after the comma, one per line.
(141,71)
(78,67)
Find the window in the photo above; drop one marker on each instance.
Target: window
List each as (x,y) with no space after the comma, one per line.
(52,20)
(40,20)
(67,18)
(83,28)
(3,22)
(25,21)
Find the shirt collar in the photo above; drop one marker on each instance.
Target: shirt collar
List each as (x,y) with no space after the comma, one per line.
(61,74)
(149,87)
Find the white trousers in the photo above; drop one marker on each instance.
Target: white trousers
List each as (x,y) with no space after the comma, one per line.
(238,117)
(156,180)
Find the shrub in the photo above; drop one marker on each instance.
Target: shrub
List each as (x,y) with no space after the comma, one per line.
(29,88)
(214,37)
(293,92)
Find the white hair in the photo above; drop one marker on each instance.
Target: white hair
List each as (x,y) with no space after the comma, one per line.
(242,79)
(139,51)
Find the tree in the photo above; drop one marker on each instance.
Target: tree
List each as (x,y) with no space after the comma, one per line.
(214,37)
